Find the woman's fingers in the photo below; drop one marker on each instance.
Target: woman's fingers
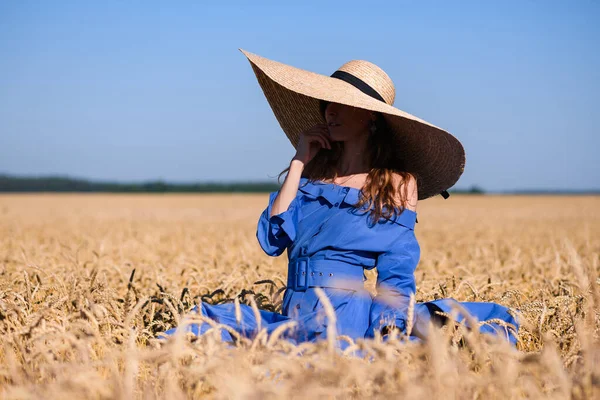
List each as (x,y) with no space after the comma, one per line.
(319,133)
(323,139)
(322,130)
(325,135)
(315,137)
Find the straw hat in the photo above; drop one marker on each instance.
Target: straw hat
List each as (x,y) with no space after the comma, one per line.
(435,156)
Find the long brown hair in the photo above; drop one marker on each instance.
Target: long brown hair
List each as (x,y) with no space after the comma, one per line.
(379,191)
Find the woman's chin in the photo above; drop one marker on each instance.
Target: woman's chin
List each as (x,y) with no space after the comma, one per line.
(335,137)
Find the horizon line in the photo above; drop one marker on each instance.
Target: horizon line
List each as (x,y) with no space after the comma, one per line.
(474,187)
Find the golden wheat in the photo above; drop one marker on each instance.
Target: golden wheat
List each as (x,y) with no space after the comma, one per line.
(88,281)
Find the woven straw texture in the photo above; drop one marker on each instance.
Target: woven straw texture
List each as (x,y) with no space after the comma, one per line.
(435,156)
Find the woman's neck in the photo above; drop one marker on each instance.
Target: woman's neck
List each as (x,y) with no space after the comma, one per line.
(353,159)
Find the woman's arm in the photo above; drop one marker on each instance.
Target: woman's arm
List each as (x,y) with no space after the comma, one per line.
(310,142)
(395,271)
(277,232)
(395,283)
(276,228)
(289,189)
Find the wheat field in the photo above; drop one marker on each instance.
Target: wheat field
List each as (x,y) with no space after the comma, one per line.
(88,281)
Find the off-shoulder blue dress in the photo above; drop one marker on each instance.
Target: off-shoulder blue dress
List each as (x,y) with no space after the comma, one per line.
(329,245)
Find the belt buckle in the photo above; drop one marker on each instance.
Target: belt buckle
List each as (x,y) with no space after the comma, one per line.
(301,278)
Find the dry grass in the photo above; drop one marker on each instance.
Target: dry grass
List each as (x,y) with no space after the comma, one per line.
(73,324)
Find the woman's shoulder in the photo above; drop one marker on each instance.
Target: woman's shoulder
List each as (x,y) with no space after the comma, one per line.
(408,181)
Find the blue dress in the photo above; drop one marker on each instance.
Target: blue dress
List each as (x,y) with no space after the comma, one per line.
(329,245)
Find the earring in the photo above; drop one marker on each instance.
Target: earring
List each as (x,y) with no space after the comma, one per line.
(372,127)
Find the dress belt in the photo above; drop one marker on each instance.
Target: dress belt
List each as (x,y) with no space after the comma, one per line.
(305,272)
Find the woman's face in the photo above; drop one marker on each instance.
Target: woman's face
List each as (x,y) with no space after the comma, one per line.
(347,123)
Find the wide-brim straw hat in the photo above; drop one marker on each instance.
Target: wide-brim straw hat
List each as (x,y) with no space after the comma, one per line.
(433,155)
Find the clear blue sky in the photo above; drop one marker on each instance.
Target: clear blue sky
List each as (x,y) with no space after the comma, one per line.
(140,90)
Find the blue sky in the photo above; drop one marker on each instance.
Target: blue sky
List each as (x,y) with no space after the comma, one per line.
(140,90)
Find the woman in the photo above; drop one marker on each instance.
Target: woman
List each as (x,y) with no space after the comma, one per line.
(349,203)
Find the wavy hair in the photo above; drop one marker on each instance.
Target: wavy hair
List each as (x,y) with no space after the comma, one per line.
(379,192)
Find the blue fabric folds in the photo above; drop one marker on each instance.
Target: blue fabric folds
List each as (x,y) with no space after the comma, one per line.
(329,245)
(277,232)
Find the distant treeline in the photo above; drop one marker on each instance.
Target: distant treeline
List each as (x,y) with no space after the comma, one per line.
(10,183)
(66,184)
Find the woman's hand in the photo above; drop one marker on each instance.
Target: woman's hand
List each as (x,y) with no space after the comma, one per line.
(311,141)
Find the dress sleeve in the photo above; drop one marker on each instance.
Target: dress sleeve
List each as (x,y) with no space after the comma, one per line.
(395,282)
(275,234)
